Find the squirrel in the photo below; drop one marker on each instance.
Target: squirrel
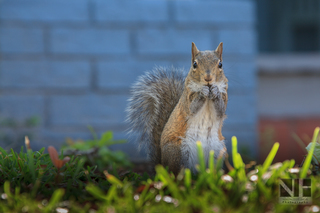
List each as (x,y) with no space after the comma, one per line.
(172,112)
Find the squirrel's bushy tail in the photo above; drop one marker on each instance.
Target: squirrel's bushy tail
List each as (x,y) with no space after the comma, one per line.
(153,98)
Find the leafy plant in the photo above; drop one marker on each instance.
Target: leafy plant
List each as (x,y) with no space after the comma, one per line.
(29,183)
(35,173)
(97,152)
(313,156)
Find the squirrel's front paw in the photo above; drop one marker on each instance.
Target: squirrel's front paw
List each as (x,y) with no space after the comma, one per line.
(214,92)
(205,91)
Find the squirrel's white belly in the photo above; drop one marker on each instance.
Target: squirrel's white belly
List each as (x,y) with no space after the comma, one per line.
(202,127)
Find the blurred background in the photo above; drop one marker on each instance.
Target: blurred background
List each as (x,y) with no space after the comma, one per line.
(67,65)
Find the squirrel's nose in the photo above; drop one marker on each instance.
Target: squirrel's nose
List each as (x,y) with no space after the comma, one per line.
(208,78)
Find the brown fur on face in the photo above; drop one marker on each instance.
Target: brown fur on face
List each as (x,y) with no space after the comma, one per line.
(207,65)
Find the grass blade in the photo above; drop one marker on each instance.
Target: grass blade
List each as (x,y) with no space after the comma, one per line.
(6,188)
(234,151)
(3,152)
(79,166)
(270,158)
(201,157)
(112,179)
(112,194)
(14,158)
(56,197)
(187,178)
(307,162)
(241,172)
(211,161)
(262,188)
(164,177)
(95,191)
(32,169)
(315,134)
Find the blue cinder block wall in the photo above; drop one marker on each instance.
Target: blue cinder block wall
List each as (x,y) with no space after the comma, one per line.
(72,62)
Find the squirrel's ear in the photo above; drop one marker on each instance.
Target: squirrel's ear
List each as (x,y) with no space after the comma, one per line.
(219,50)
(194,51)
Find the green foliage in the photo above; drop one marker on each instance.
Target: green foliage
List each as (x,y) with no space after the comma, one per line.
(270,158)
(316,153)
(30,183)
(34,173)
(97,152)
(237,160)
(313,156)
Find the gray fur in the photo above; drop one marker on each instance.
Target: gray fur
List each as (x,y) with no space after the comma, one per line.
(219,104)
(220,107)
(197,103)
(153,98)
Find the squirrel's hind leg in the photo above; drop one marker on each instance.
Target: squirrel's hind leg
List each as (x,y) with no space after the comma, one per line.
(171,157)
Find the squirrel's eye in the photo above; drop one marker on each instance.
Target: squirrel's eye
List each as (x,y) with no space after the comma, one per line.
(220,65)
(195,65)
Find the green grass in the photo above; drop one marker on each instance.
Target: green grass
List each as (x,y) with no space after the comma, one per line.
(29,182)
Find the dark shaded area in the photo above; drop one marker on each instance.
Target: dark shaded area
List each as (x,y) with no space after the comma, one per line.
(288,25)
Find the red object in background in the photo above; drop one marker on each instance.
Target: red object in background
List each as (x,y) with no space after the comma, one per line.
(282,131)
